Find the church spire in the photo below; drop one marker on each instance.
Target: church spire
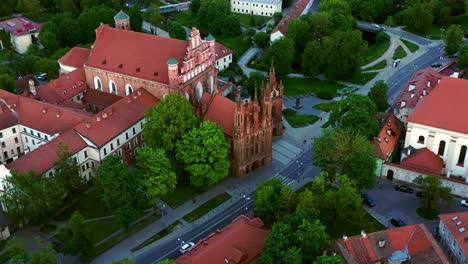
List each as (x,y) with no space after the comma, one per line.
(272,76)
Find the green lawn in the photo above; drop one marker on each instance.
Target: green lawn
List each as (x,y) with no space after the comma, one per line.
(296,120)
(184,17)
(378,66)
(166,231)
(251,20)
(363,78)
(100,229)
(237,44)
(461,20)
(206,207)
(89,205)
(182,193)
(433,33)
(374,51)
(326,107)
(399,53)
(305,86)
(410,45)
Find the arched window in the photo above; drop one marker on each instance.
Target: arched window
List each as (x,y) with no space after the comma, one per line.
(421,140)
(97,83)
(441,148)
(128,89)
(112,87)
(199,91)
(461,157)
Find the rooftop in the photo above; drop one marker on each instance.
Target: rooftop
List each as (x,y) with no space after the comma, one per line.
(100,98)
(221,111)
(121,15)
(388,137)
(295,12)
(424,161)
(454,223)
(221,51)
(76,57)
(19,26)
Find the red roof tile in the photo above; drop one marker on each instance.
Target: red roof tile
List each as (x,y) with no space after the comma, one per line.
(445,107)
(364,250)
(100,98)
(76,57)
(7,117)
(63,88)
(221,51)
(221,111)
(242,241)
(113,120)
(295,12)
(453,228)
(19,26)
(424,160)
(388,137)
(114,47)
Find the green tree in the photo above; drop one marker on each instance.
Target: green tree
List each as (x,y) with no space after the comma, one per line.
(313,59)
(283,51)
(51,67)
(232,26)
(204,152)
(7,7)
(277,16)
(433,192)
(254,81)
(453,39)
(166,261)
(321,24)
(5,37)
(90,19)
(156,172)
(29,7)
(177,31)
(329,260)
(153,15)
(45,256)
(77,237)
(136,18)
(300,32)
(67,170)
(7,82)
(445,16)
(69,6)
(340,13)
(49,41)
(167,122)
(418,17)
(273,201)
(262,39)
(463,58)
(16,249)
(69,37)
(195,6)
(124,261)
(340,150)
(356,112)
(212,16)
(378,95)
(307,204)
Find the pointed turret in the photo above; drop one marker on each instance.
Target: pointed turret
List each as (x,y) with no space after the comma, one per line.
(272,80)
(122,20)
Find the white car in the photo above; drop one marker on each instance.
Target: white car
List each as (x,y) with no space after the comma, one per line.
(464,203)
(186,247)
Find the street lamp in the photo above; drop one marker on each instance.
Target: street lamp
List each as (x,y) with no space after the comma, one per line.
(246,201)
(162,206)
(299,164)
(181,241)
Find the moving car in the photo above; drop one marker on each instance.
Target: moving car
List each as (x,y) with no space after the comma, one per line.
(436,65)
(368,200)
(186,247)
(397,222)
(464,203)
(404,188)
(42,76)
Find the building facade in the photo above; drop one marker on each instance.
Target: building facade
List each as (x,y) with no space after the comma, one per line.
(23,32)
(454,237)
(256,7)
(223,57)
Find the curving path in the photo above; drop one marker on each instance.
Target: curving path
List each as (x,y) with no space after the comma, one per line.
(394,42)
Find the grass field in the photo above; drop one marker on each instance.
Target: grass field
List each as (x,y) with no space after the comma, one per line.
(400,53)
(363,78)
(378,66)
(236,44)
(89,205)
(305,86)
(206,207)
(166,231)
(326,107)
(251,20)
(182,193)
(184,18)
(374,51)
(434,32)
(300,120)
(410,45)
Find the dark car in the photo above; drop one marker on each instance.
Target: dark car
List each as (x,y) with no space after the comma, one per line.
(368,200)
(404,188)
(436,65)
(419,194)
(397,222)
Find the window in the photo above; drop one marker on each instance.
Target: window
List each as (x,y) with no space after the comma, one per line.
(128,89)
(421,140)
(18,150)
(119,152)
(31,132)
(87,165)
(97,83)
(5,154)
(26,139)
(34,143)
(105,151)
(461,157)
(112,87)
(112,146)
(74,160)
(83,167)
(135,141)
(126,135)
(129,145)
(133,129)
(24,130)
(50,174)
(85,153)
(13,130)
(93,164)
(1,135)
(3,144)
(46,137)
(141,125)
(118,142)
(441,148)
(16,140)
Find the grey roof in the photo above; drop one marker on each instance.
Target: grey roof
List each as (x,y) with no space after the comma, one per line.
(121,15)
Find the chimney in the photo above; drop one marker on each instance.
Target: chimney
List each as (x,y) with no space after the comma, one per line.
(58,115)
(345,237)
(424,91)
(381,243)
(408,152)
(98,118)
(44,111)
(104,115)
(32,87)
(428,83)
(88,125)
(363,234)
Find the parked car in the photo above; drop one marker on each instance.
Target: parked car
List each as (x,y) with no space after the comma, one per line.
(42,76)
(368,200)
(186,247)
(397,222)
(419,194)
(464,203)
(436,65)
(404,188)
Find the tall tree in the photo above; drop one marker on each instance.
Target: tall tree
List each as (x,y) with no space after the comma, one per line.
(300,32)
(195,6)
(232,26)
(78,239)
(204,152)
(453,39)
(70,6)
(7,7)
(321,24)
(418,17)
(313,59)
(91,18)
(167,122)
(51,67)
(136,18)
(340,13)
(463,58)
(30,7)
(378,95)
(329,260)
(308,204)
(49,41)
(177,31)
(282,52)
(69,37)
(16,249)
(254,81)
(67,170)
(262,39)
(433,192)
(7,82)
(153,15)
(212,16)
(157,176)
(45,256)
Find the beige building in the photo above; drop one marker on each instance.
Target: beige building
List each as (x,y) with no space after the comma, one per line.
(256,7)
(23,32)
(454,236)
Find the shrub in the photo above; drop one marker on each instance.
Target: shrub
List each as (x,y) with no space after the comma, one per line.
(325,95)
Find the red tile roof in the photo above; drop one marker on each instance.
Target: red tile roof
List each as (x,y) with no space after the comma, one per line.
(19,26)
(100,98)
(242,241)
(453,228)
(115,119)
(445,107)
(42,159)
(295,12)
(76,57)
(132,50)
(419,80)
(63,88)
(424,160)
(221,111)
(7,117)
(388,137)
(221,51)
(422,247)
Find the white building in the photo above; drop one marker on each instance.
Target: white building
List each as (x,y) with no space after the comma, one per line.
(438,124)
(453,232)
(299,8)
(256,7)
(223,57)
(23,32)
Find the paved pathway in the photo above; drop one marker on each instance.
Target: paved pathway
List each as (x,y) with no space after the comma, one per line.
(388,54)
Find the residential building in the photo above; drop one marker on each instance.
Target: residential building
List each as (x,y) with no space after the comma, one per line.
(256,7)
(223,56)
(454,236)
(408,244)
(242,241)
(436,124)
(299,8)
(387,140)
(73,59)
(23,32)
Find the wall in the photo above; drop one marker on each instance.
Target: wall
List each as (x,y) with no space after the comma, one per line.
(65,68)
(21,43)
(255,8)
(10,140)
(276,35)
(223,63)
(32,138)
(449,244)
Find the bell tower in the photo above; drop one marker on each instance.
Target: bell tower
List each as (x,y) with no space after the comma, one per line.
(122,20)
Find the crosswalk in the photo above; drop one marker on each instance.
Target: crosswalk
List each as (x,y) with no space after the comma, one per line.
(284,180)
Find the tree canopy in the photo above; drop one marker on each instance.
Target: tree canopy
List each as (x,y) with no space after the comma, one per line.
(433,192)
(262,39)
(453,39)
(283,51)
(340,13)
(378,95)
(136,18)
(329,260)
(77,237)
(214,16)
(7,82)
(67,170)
